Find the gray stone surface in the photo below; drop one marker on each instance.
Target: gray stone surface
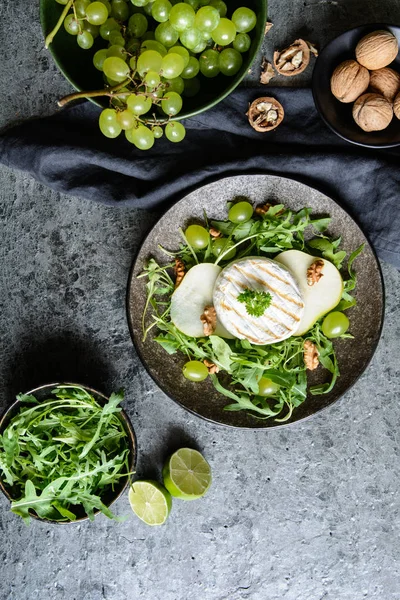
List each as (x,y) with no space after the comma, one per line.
(306,513)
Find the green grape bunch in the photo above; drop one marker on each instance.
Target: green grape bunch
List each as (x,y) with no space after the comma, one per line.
(153,55)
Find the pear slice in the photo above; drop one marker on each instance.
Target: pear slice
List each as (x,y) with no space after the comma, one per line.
(189,300)
(319,298)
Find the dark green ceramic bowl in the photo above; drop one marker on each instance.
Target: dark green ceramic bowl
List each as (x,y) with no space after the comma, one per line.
(77,67)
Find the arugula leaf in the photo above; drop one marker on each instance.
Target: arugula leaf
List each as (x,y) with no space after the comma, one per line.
(256,301)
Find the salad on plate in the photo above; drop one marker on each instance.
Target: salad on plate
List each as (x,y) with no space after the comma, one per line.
(254,302)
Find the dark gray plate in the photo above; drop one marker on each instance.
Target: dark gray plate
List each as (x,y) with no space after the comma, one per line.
(366,318)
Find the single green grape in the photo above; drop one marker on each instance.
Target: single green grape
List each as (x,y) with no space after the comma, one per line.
(137,25)
(150,60)
(242,42)
(175,85)
(171,103)
(244,19)
(80,7)
(107,27)
(133,45)
(96,13)
(160,10)
(71,25)
(241,212)
(197,236)
(191,69)
(182,51)
(190,38)
(194,370)
(182,17)
(220,6)
(117,51)
(209,63)
(154,45)
(222,245)
(200,47)
(120,10)
(335,324)
(230,61)
(108,123)
(141,136)
(85,40)
(133,63)
(99,58)
(225,33)
(92,29)
(115,68)
(266,387)
(207,19)
(157,132)
(192,87)
(172,65)
(138,104)
(126,119)
(166,34)
(152,80)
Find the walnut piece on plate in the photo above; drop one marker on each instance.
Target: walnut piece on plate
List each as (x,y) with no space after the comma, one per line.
(265,114)
(209,320)
(310,355)
(314,271)
(179,270)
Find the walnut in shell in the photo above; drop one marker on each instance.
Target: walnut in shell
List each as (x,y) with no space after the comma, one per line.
(377,49)
(396,106)
(349,80)
(386,82)
(372,112)
(293,59)
(265,114)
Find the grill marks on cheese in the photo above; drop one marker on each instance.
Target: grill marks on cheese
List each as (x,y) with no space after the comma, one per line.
(283,315)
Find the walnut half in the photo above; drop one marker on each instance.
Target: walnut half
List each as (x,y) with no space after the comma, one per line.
(212,367)
(209,320)
(265,114)
(314,271)
(292,60)
(310,355)
(179,270)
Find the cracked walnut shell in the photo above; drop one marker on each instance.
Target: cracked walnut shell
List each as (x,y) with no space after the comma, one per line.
(265,114)
(396,106)
(292,60)
(385,81)
(377,49)
(349,80)
(372,112)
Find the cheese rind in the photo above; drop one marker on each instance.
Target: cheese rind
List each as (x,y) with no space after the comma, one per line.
(281,318)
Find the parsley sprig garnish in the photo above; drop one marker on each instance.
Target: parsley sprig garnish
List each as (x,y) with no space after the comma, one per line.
(256,301)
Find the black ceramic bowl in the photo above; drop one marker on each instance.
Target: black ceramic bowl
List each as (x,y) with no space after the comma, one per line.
(77,67)
(43,392)
(337,115)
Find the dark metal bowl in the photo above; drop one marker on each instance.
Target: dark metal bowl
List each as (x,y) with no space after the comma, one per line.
(338,115)
(44,391)
(77,67)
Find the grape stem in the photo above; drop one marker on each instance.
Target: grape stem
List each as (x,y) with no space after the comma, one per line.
(60,21)
(110,92)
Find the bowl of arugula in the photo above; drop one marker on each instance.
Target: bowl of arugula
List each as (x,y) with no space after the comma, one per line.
(66,453)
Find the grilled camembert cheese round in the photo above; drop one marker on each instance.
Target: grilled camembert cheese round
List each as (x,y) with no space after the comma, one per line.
(279,321)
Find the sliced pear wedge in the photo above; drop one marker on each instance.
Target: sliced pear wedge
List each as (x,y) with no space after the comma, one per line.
(189,300)
(319,298)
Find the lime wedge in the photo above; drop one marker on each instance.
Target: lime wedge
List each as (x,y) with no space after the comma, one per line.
(187,474)
(150,501)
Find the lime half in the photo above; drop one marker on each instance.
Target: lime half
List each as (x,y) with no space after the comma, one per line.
(150,501)
(187,474)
